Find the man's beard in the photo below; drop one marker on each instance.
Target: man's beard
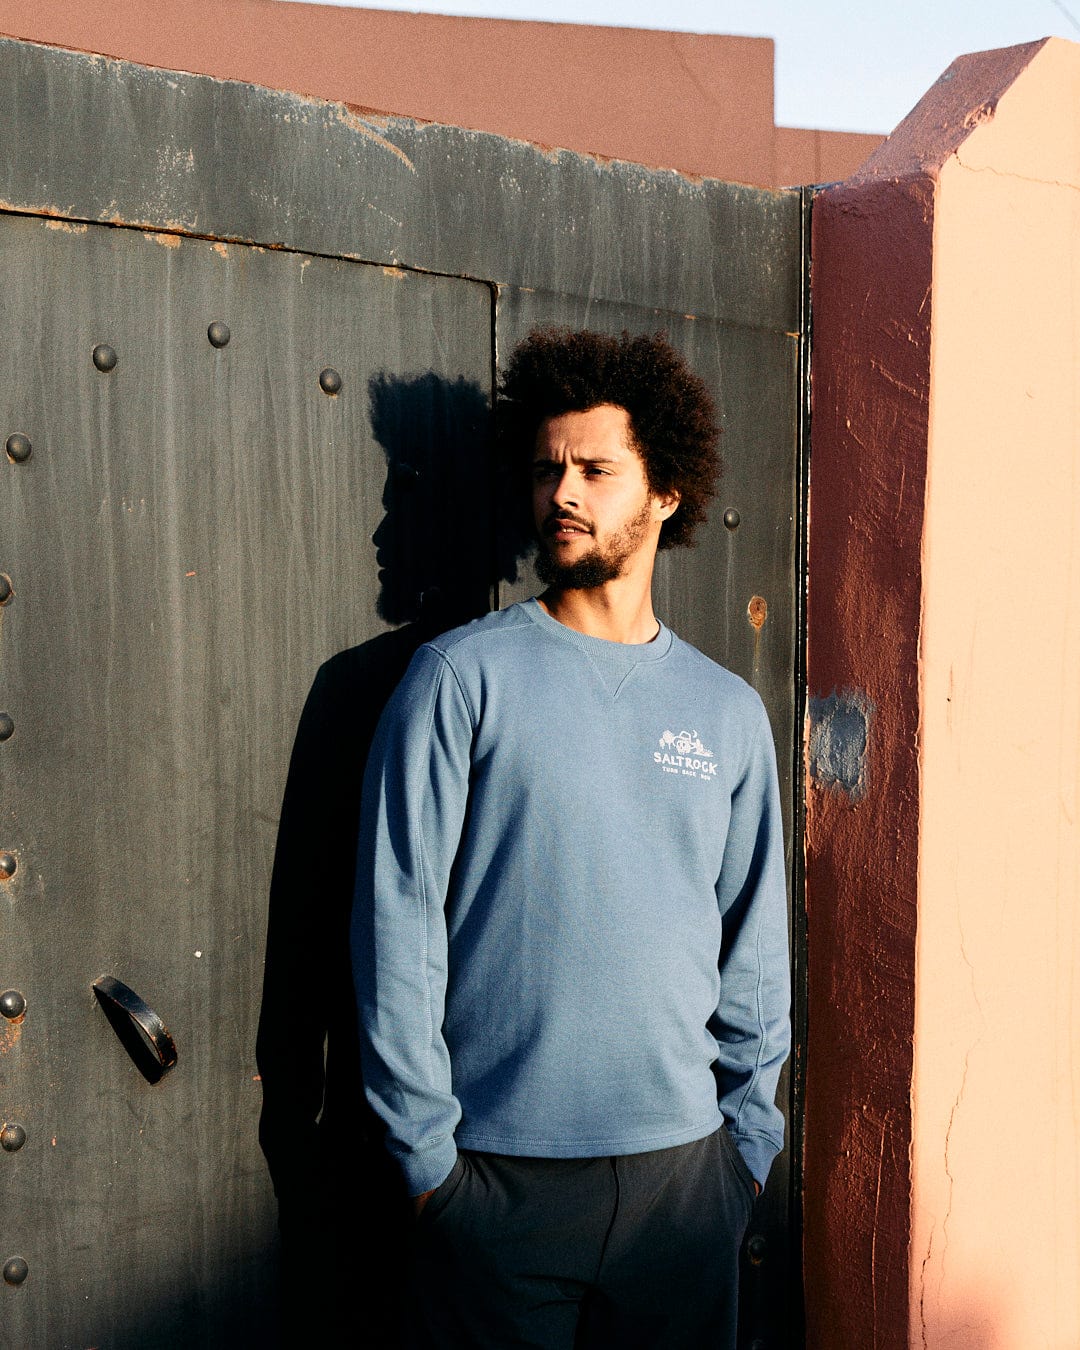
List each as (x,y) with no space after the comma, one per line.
(600,564)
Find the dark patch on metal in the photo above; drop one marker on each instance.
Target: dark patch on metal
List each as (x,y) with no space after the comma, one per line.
(6,588)
(732,518)
(15,1270)
(756,1249)
(18,447)
(330,381)
(7,726)
(8,865)
(839,740)
(12,1004)
(12,1137)
(104,357)
(218,334)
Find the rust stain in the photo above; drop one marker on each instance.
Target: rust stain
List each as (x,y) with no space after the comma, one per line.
(221,248)
(757,611)
(398,272)
(66,225)
(165,240)
(189,574)
(11,1033)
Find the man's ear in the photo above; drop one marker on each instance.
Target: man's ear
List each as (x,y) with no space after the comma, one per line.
(667,504)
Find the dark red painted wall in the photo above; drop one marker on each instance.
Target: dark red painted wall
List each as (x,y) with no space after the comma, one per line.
(872,287)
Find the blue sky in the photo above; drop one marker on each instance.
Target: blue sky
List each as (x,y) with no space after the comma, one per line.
(840,65)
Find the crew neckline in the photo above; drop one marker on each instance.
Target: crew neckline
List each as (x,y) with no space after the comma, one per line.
(630,653)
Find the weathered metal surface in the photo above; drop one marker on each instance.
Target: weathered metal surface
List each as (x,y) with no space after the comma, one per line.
(192,535)
(226,440)
(96,139)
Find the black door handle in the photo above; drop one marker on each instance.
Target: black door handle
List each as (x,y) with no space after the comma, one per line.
(141,1030)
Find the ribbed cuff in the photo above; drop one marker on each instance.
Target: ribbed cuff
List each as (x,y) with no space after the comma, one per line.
(424,1171)
(758,1154)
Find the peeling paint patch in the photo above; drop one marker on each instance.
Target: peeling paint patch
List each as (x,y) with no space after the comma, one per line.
(358,124)
(983,113)
(839,741)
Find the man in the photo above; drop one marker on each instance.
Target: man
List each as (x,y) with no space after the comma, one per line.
(569,938)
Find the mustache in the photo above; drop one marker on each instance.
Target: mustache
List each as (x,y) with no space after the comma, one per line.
(558,518)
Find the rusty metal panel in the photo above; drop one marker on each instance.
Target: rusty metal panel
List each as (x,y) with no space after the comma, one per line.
(190,531)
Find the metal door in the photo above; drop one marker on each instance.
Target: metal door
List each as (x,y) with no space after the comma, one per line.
(240,335)
(191,527)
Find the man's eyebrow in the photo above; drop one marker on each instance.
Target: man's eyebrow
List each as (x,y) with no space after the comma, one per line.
(577,459)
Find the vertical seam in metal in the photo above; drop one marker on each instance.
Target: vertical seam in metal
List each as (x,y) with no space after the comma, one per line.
(798,879)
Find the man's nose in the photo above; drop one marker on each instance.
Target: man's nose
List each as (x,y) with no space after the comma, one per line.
(564,490)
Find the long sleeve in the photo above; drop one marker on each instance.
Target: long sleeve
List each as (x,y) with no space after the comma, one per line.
(414,802)
(752,1023)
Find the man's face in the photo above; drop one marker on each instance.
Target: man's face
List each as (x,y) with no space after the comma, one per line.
(595,514)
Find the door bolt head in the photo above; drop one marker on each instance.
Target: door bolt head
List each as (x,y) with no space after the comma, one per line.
(12,1004)
(18,447)
(330,381)
(6,588)
(8,864)
(7,726)
(218,334)
(104,356)
(12,1137)
(15,1270)
(732,518)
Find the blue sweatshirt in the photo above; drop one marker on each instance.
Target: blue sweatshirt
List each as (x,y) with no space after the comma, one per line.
(570,929)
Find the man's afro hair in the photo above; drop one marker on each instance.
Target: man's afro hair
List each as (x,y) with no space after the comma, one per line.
(557,370)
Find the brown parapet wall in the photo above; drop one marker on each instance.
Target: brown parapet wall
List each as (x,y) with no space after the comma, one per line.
(872,287)
(698,103)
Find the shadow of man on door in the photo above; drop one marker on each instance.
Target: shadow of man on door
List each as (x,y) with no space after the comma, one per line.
(343,1217)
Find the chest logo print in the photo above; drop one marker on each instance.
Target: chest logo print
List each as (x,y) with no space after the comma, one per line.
(682,752)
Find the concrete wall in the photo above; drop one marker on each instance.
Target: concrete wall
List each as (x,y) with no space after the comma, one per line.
(699,104)
(943,1084)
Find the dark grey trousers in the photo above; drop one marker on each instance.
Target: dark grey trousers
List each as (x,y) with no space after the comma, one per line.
(581,1253)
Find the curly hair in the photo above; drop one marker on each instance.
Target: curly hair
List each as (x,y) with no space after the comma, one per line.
(672,414)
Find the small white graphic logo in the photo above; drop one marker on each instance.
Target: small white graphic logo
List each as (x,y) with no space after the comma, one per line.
(682,752)
(685,743)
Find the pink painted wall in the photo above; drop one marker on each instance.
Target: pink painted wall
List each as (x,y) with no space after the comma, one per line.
(995,1234)
(699,104)
(943,1087)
